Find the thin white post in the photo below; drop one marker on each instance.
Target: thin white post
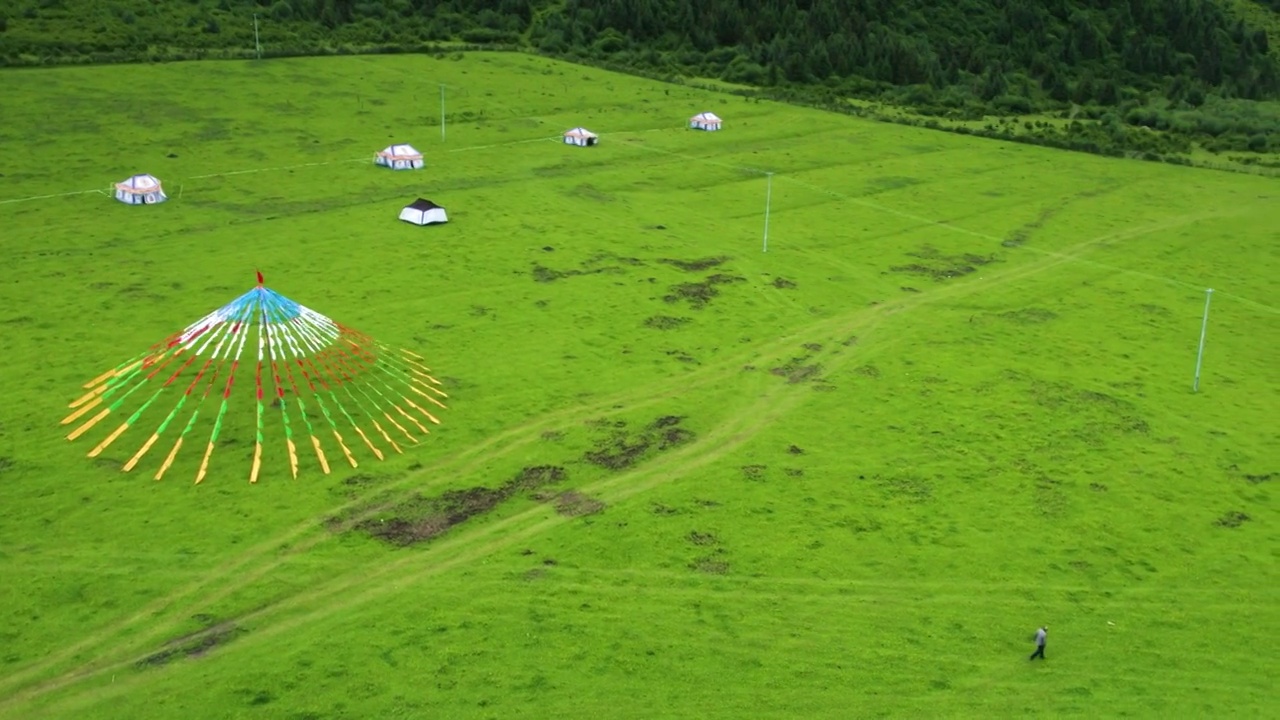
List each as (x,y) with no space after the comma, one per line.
(1204,327)
(442,112)
(768,198)
(257,45)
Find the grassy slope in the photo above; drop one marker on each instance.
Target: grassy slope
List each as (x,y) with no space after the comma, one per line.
(1010,447)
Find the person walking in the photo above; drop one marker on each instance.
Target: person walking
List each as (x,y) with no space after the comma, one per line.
(1041,635)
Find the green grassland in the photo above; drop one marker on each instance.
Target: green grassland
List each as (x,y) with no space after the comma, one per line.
(846,477)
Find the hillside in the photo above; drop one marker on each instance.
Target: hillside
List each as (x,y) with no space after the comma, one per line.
(1080,50)
(1188,68)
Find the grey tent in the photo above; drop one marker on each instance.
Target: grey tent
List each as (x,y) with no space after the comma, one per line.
(423,212)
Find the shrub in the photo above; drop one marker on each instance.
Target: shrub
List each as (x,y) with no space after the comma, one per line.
(1013,104)
(743,71)
(488,36)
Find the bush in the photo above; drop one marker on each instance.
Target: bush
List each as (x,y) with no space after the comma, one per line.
(744,72)
(487,36)
(1013,104)
(917,96)
(553,43)
(609,42)
(1258,143)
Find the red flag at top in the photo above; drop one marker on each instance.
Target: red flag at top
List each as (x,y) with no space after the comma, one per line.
(259,276)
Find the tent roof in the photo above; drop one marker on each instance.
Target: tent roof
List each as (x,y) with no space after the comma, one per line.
(139,182)
(706,117)
(580,132)
(400,151)
(423,204)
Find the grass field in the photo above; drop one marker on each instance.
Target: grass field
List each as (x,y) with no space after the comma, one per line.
(846,477)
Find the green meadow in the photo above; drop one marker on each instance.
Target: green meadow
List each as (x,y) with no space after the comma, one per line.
(681,475)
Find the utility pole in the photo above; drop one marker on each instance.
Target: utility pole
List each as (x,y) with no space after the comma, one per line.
(768,197)
(257,45)
(1204,327)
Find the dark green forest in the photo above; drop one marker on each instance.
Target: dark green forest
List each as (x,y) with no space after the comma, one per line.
(1195,69)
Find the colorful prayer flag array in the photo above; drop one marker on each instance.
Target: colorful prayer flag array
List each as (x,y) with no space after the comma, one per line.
(324,380)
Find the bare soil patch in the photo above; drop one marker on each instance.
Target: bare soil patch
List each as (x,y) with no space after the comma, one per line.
(939,267)
(665,322)
(795,372)
(701,538)
(420,518)
(699,294)
(697,265)
(711,565)
(193,645)
(573,504)
(622,448)
(1233,519)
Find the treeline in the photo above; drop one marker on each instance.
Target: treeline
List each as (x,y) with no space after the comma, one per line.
(1082,51)
(1078,50)
(1178,66)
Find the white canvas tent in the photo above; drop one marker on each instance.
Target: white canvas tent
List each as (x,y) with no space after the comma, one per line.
(423,212)
(140,190)
(399,157)
(580,136)
(705,121)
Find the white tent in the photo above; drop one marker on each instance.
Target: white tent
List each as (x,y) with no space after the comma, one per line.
(400,157)
(140,190)
(580,136)
(705,121)
(423,212)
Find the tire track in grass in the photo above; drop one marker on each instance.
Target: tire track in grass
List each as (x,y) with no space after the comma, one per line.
(784,345)
(846,323)
(973,233)
(936,294)
(294,542)
(642,397)
(235,567)
(344,592)
(285,547)
(232,568)
(730,435)
(1065,255)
